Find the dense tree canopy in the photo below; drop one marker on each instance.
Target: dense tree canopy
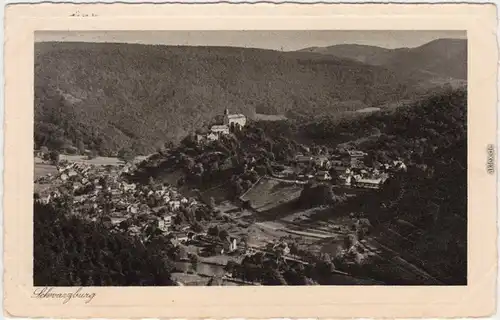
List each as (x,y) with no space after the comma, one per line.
(69,251)
(148,95)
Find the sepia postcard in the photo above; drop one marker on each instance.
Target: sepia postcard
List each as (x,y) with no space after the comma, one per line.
(250,160)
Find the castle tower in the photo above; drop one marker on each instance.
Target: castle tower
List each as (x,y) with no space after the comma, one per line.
(226,117)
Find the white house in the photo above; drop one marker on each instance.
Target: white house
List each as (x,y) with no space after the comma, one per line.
(192,204)
(159,193)
(220,129)
(174,205)
(230,245)
(369,183)
(212,136)
(167,219)
(166,199)
(133,209)
(77,185)
(117,220)
(230,119)
(348,180)
(163,225)
(356,154)
(47,199)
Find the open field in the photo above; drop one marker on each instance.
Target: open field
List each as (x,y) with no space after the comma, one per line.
(368,110)
(269,117)
(260,234)
(269,193)
(103,161)
(43,169)
(219,259)
(227,206)
(219,193)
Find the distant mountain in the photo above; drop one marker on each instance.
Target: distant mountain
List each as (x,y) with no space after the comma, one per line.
(107,96)
(437,59)
(367,54)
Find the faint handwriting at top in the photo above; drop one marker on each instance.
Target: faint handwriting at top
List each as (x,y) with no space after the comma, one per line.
(79,14)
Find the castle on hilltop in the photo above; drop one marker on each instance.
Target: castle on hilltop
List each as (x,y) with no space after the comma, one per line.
(230,119)
(221,129)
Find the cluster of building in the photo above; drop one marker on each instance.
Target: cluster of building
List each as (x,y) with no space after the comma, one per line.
(349,166)
(99,192)
(275,248)
(350,158)
(365,178)
(214,245)
(82,178)
(134,208)
(218,130)
(371,178)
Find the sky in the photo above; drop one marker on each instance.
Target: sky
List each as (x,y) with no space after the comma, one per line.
(275,40)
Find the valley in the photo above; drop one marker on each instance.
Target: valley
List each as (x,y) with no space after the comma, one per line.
(237,166)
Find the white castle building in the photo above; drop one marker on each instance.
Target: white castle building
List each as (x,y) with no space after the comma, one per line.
(234,118)
(222,129)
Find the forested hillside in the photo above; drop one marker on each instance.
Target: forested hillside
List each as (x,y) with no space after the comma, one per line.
(109,96)
(428,204)
(71,251)
(432,121)
(445,58)
(364,53)
(433,202)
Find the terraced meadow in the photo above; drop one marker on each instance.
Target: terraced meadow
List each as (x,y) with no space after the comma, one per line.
(269,193)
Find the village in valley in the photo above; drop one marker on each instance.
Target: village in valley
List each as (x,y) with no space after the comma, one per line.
(211,235)
(250,159)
